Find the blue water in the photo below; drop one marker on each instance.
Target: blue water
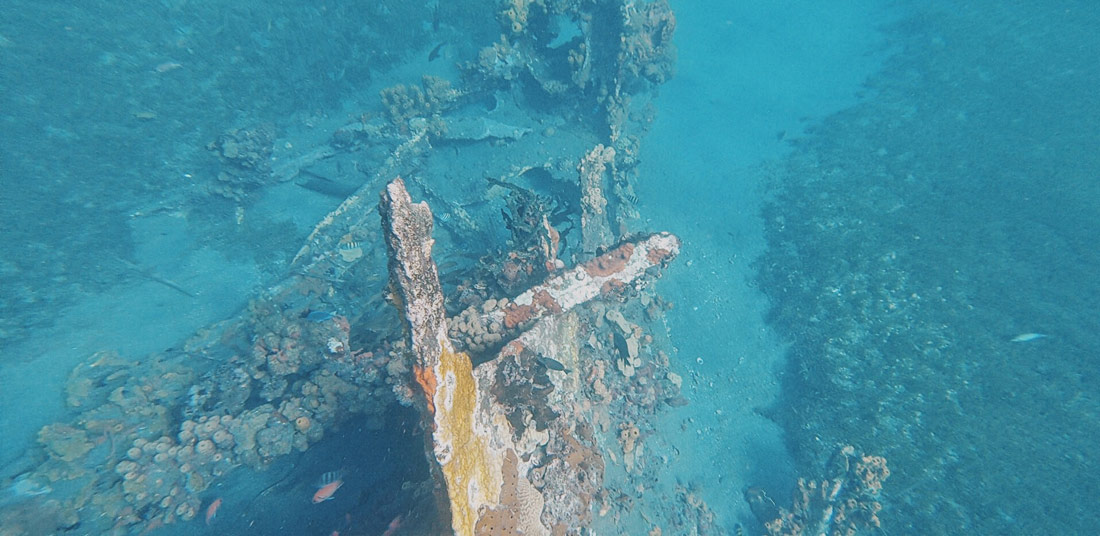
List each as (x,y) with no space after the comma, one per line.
(888,215)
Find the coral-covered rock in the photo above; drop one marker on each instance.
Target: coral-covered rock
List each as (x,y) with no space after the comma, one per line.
(647,50)
(845,502)
(427,101)
(64,443)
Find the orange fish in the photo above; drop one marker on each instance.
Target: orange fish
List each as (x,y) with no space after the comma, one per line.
(327,486)
(212,510)
(394,525)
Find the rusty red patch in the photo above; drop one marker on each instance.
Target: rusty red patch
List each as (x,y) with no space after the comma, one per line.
(612,287)
(515,315)
(610,263)
(658,255)
(546,302)
(513,348)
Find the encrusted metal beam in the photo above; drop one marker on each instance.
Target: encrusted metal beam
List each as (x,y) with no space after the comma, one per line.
(482,451)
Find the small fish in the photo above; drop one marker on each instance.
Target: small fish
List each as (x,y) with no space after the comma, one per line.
(327,486)
(167,66)
(319,316)
(435,52)
(552,364)
(1028,337)
(393,526)
(212,510)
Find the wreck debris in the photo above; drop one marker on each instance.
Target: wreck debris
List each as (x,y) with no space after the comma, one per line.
(323,242)
(533,221)
(486,327)
(595,227)
(281,375)
(480,128)
(286,169)
(245,158)
(627,337)
(492,427)
(469,459)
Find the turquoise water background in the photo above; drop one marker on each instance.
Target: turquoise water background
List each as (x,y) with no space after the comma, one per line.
(875,198)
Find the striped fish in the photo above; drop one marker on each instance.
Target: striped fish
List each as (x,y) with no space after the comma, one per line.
(327,486)
(329,478)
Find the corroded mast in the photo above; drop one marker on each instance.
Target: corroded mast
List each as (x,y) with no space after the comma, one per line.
(461,444)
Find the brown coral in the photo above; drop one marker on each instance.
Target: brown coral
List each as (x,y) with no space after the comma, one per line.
(223,438)
(404,103)
(206,448)
(474,329)
(521,506)
(872,471)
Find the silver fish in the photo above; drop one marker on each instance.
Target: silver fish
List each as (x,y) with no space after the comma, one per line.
(1028,337)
